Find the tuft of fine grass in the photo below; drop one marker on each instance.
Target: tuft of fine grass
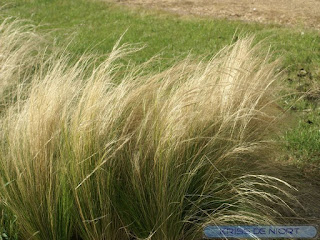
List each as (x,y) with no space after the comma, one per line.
(95,151)
(98,24)
(20,51)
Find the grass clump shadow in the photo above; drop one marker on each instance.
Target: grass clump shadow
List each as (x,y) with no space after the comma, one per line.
(152,156)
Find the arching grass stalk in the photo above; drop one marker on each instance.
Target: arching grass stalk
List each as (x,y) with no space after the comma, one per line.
(149,156)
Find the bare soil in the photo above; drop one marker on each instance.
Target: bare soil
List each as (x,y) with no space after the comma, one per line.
(304,13)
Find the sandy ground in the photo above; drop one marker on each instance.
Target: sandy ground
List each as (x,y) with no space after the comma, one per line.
(291,12)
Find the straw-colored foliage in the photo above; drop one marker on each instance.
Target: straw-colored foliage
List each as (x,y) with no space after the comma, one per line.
(149,156)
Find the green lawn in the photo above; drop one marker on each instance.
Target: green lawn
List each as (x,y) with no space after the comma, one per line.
(96,26)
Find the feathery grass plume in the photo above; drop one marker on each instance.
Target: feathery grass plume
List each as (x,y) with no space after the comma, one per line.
(19,55)
(33,186)
(154,156)
(37,191)
(20,52)
(189,127)
(94,138)
(50,141)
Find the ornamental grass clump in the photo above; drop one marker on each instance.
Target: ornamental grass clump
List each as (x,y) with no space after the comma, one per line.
(104,151)
(20,53)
